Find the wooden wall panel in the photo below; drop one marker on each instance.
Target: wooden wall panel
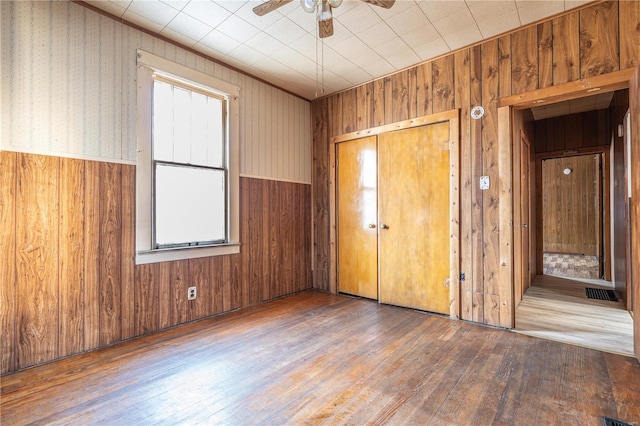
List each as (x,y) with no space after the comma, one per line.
(477,245)
(443,86)
(127,256)
(462,96)
(110,252)
(573,131)
(524,60)
(146,298)
(424,92)
(91,284)
(349,111)
(37,288)
(8,175)
(400,96)
(629,34)
(490,197)
(320,193)
(599,39)
(504,65)
(545,54)
(71,255)
(551,52)
(620,198)
(378,105)
(388,100)
(412,95)
(566,48)
(364,106)
(634,112)
(199,277)
(71,250)
(178,286)
(570,203)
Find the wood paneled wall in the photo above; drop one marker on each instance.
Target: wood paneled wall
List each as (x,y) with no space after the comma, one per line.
(571,205)
(68,282)
(619,196)
(589,42)
(573,131)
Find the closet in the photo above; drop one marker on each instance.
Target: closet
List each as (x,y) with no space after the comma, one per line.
(396,215)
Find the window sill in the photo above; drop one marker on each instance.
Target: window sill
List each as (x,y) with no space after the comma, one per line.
(167,255)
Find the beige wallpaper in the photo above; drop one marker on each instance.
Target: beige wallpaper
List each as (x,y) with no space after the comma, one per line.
(68,89)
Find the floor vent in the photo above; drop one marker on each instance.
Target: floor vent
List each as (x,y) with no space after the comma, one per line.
(613,422)
(600,294)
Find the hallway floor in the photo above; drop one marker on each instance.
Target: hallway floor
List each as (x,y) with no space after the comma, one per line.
(557,308)
(571,265)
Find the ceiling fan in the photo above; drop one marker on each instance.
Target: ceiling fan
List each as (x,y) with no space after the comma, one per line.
(322,8)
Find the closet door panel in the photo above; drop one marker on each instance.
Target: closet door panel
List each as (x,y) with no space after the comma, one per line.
(414,222)
(357,212)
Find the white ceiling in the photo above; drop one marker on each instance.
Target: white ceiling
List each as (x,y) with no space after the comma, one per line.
(368,41)
(573,106)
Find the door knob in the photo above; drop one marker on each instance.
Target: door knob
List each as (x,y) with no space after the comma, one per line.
(524,225)
(384,226)
(372,225)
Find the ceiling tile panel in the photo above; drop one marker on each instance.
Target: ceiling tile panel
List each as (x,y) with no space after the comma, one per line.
(408,21)
(285,30)
(220,42)
(265,43)
(533,10)
(237,28)
(358,18)
(160,13)
(207,12)
(189,27)
(176,4)
(140,20)
(431,49)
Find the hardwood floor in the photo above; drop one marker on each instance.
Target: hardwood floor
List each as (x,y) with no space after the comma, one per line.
(557,308)
(317,358)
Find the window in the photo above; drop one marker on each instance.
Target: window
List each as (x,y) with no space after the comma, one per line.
(187,177)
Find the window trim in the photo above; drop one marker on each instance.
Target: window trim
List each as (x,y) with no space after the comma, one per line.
(147,65)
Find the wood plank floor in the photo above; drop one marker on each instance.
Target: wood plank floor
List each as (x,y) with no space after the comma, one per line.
(315,358)
(558,309)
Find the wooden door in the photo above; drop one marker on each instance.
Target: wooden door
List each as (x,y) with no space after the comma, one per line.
(413,216)
(525,213)
(571,205)
(357,217)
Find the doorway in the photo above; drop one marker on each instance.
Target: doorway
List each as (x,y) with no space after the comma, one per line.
(562,290)
(573,225)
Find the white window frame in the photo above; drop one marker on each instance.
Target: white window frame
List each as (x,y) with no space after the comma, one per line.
(147,65)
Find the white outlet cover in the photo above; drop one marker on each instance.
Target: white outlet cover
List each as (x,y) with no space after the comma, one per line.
(191,293)
(484,182)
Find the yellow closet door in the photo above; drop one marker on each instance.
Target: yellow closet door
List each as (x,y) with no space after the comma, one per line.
(413,213)
(357,211)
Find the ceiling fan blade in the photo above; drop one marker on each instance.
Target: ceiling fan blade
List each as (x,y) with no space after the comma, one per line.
(381,3)
(325,28)
(269,6)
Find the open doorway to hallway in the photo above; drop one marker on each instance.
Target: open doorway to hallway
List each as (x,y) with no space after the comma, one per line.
(573,223)
(573,216)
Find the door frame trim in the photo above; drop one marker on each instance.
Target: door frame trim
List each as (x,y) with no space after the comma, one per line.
(453,117)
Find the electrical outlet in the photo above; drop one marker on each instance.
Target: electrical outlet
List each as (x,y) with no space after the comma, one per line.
(484,182)
(191,293)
